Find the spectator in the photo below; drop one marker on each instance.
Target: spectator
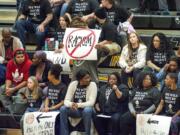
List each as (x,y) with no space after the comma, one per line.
(35,17)
(79,102)
(32,93)
(40,67)
(145,98)
(133,57)
(112,100)
(81,8)
(171,67)
(8,44)
(159,52)
(170,102)
(108,42)
(64,22)
(17,74)
(56,90)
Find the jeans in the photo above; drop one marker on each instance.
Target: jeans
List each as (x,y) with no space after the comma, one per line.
(24,26)
(113,122)
(63,9)
(85,114)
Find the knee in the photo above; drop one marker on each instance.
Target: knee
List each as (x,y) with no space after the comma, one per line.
(40,34)
(115,118)
(20,23)
(88,111)
(63,109)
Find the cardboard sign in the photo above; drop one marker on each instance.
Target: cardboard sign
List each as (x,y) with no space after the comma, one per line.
(79,43)
(39,123)
(147,124)
(59,58)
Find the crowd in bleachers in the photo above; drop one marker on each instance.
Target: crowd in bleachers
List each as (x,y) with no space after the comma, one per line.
(148,81)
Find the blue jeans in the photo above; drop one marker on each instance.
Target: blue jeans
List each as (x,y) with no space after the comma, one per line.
(24,26)
(85,114)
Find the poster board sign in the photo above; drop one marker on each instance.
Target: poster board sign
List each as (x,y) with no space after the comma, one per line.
(39,123)
(59,58)
(148,124)
(79,43)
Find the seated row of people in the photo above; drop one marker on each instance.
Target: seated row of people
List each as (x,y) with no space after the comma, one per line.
(112,99)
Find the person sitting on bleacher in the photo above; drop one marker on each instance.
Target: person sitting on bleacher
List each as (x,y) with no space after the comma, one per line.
(40,67)
(55,90)
(17,74)
(79,102)
(170,67)
(35,17)
(170,102)
(81,7)
(158,53)
(8,44)
(112,100)
(133,58)
(108,43)
(144,100)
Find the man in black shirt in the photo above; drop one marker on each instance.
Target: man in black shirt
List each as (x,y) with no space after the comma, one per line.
(35,17)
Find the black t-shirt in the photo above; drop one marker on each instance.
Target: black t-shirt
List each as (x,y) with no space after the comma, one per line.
(172,101)
(82,7)
(143,99)
(109,32)
(56,93)
(117,14)
(60,34)
(80,94)
(158,57)
(37,11)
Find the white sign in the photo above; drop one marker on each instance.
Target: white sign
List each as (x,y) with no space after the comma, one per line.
(39,123)
(59,58)
(148,124)
(79,43)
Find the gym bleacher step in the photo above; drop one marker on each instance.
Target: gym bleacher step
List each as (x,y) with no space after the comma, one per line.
(7,16)
(8,3)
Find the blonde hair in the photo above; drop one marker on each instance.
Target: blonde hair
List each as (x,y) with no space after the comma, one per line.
(35,91)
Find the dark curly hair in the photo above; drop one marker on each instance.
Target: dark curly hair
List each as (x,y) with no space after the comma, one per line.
(142,76)
(117,75)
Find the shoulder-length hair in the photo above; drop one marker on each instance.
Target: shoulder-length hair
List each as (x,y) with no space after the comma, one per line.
(142,76)
(164,44)
(35,92)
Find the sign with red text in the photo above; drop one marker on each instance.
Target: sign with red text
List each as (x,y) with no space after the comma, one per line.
(79,43)
(148,124)
(39,123)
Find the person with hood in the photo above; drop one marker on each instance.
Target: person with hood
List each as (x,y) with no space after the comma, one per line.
(17,74)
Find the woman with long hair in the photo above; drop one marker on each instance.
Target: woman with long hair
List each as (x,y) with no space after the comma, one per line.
(133,57)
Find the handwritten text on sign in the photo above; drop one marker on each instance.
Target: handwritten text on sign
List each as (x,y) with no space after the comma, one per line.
(147,124)
(79,43)
(39,123)
(59,58)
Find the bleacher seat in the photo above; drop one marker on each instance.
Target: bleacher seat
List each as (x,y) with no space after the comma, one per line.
(161,22)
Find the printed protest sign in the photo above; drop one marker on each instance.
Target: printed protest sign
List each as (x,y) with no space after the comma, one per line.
(147,124)
(79,43)
(59,58)
(39,123)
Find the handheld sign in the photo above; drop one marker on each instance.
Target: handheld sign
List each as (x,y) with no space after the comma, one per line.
(147,124)
(79,43)
(59,58)
(39,123)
